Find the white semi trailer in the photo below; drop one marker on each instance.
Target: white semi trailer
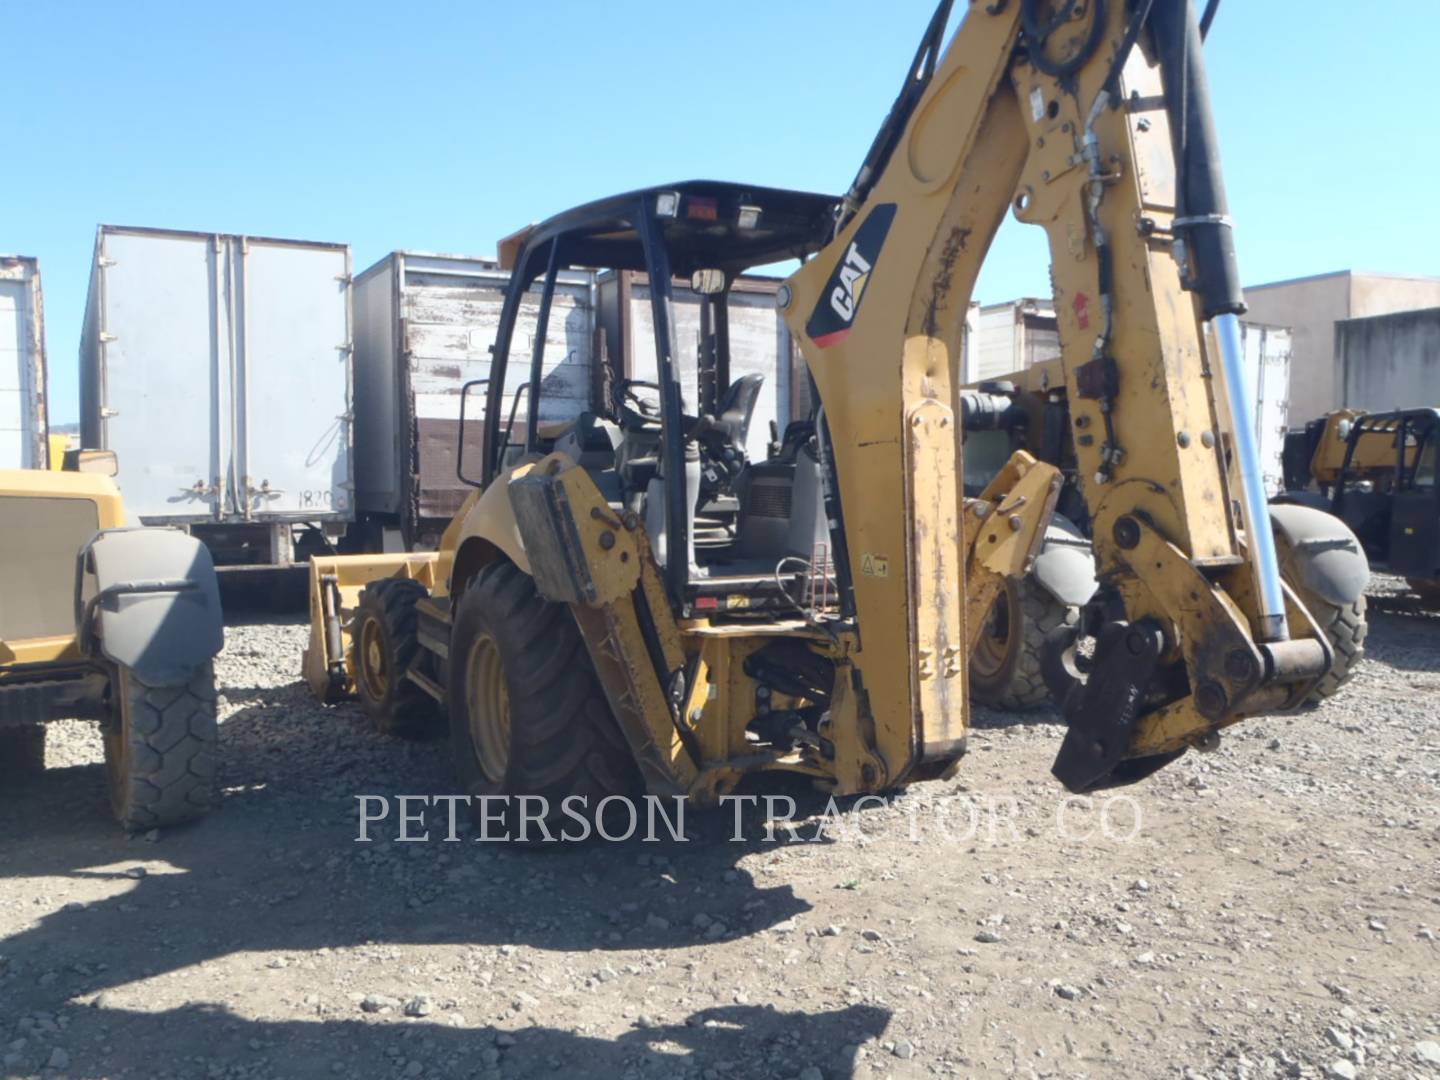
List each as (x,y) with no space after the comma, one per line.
(218,368)
(23,412)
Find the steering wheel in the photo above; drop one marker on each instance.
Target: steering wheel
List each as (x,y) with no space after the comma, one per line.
(647,409)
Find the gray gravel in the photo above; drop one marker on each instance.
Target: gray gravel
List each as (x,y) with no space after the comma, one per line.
(1274,915)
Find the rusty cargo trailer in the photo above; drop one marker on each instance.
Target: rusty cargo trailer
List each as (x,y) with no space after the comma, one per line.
(218,369)
(424,325)
(760,343)
(1010,337)
(23,416)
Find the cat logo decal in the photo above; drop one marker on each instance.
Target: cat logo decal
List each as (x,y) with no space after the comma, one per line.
(832,320)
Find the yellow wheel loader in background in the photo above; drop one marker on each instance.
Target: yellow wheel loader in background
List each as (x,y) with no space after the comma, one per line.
(104,622)
(585,635)
(1377,473)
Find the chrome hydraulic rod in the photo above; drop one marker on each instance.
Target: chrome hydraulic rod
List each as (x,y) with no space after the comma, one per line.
(1254,510)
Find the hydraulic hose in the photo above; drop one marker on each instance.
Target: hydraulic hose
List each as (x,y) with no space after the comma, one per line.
(1038,30)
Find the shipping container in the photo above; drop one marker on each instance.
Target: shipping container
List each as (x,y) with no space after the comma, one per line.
(23,428)
(218,368)
(424,326)
(760,343)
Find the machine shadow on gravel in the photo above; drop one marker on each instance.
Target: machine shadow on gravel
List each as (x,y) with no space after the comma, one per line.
(755,1040)
(278,868)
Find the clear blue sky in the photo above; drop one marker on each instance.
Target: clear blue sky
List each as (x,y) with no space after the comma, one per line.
(445,125)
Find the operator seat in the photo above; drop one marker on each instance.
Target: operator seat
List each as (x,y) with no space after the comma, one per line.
(736,409)
(723,437)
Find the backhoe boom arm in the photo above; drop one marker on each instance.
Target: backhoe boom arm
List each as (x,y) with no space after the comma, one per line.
(1062,120)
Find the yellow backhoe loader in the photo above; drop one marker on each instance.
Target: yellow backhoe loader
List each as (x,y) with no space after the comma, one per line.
(584,636)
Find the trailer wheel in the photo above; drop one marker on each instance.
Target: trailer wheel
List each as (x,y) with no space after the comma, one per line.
(22,751)
(527,714)
(1005,669)
(386,642)
(160,751)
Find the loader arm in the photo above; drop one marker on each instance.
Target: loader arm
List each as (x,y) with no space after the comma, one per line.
(1066,121)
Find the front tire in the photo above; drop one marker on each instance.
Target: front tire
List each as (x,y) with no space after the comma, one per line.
(1006,668)
(160,752)
(386,643)
(527,714)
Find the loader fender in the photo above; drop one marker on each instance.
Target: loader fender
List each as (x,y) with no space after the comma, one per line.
(1065,567)
(485,530)
(148,600)
(1322,553)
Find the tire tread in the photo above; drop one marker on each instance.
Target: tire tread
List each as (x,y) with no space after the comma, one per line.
(1021,685)
(407,711)
(564,738)
(168,734)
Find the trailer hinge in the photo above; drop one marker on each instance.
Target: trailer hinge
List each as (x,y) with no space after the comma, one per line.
(347,346)
(107,337)
(104,261)
(106,412)
(345,279)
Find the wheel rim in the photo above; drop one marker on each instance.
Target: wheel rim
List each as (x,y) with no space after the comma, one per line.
(374,669)
(994,644)
(487,708)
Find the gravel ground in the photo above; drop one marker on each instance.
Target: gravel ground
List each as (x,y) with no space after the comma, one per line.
(1273,914)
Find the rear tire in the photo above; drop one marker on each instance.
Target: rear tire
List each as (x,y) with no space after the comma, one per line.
(1302,534)
(1344,627)
(160,754)
(527,713)
(386,642)
(1006,667)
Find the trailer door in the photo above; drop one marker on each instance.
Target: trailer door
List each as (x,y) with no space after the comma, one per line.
(163,393)
(292,378)
(22,433)
(1272,406)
